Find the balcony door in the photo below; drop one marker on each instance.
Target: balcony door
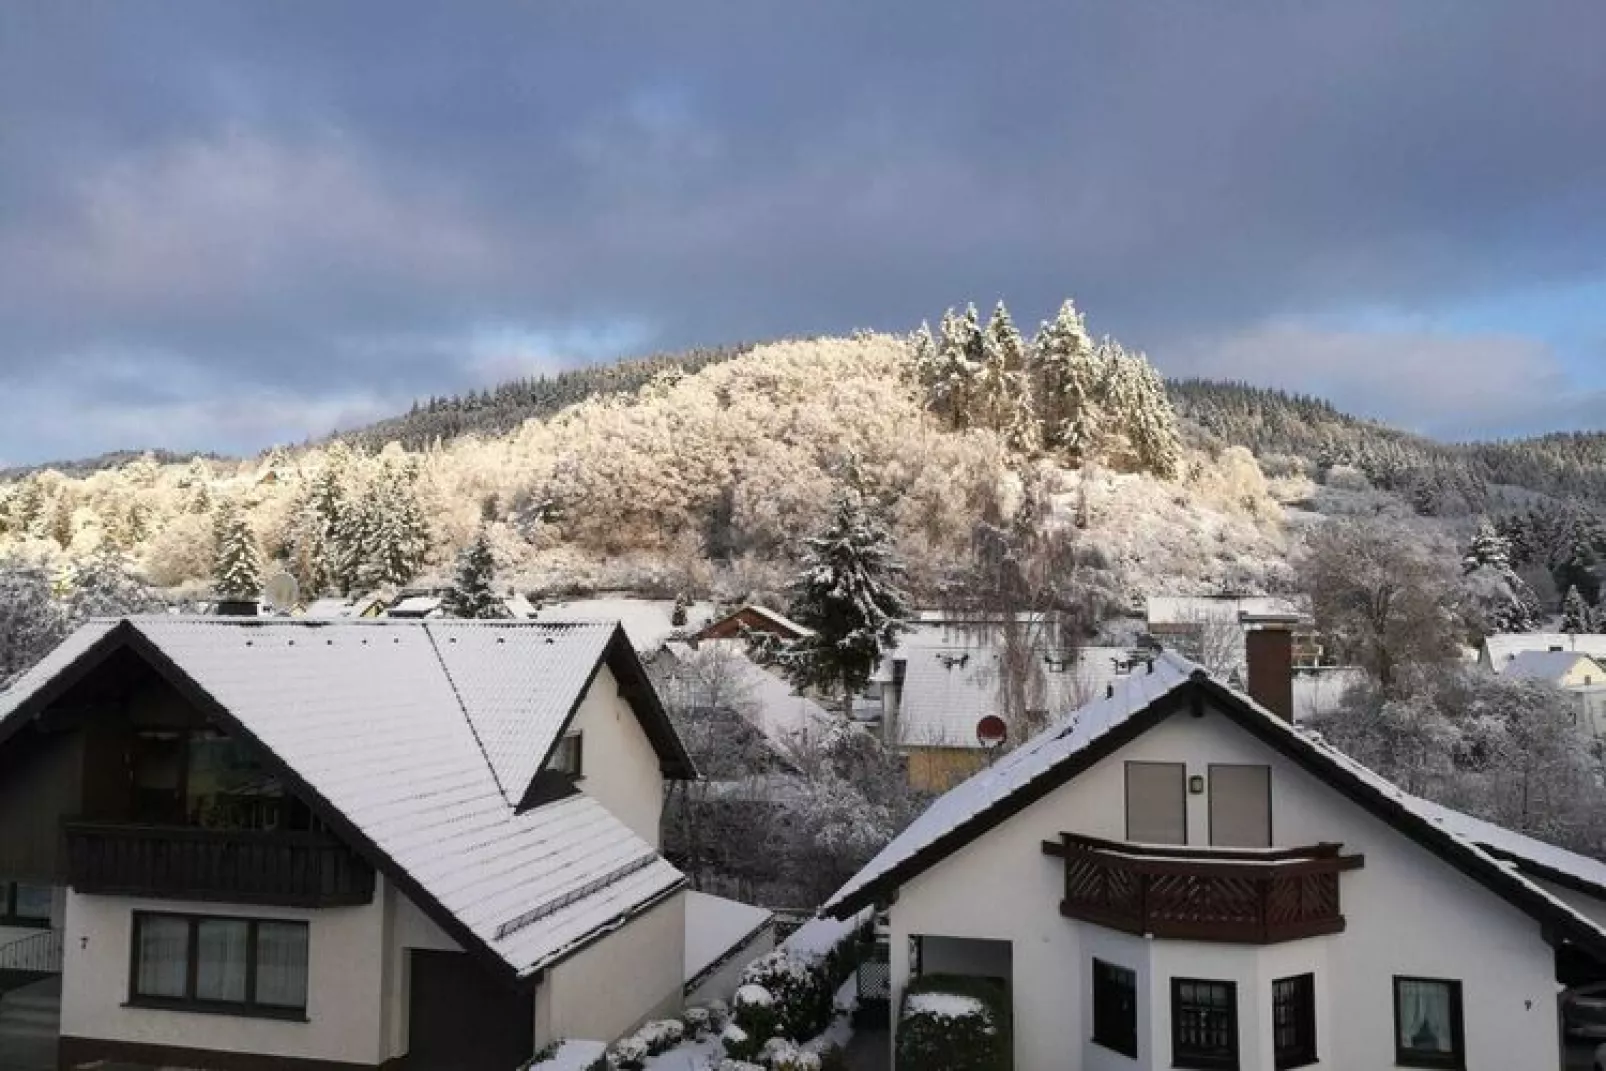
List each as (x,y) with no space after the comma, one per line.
(1240,806)
(1157,802)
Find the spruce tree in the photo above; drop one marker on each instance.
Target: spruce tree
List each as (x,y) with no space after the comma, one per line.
(956,368)
(237,567)
(1152,423)
(1576,616)
(471,595)
(848,592)
(1003,390)
(398,533)
(1065,377)
(1488,549)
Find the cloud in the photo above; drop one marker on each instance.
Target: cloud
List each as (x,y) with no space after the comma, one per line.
(335,203)
(1439,383)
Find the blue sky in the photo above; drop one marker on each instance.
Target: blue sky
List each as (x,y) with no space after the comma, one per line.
(224,225)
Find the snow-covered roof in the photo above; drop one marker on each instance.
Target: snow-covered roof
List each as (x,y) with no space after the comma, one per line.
(648,622)
(776,709)
(1144,699)
(326,608)
(422,736)
(946,691)
(1503,647)
(1551,666)
(1189,610)
(716,927)
(414,606)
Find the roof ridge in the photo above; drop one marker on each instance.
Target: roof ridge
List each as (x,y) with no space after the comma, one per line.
(451,682)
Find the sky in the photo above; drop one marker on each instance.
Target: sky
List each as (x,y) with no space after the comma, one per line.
(226,225)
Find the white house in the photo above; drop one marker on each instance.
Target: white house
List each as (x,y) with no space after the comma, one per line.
(336,844)
(1573,672)
(1176,876)
(1500,649)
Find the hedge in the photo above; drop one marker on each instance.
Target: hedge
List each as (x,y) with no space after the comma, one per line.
(961,1025)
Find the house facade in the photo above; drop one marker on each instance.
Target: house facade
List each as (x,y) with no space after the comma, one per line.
(343,844)
(1579,675)
(1176,876)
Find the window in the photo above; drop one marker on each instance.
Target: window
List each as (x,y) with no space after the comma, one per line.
(1293,1021)
(204,778)
(1204,1024)
(1157,802)
(203,963)
(1115,1008)
(1240,806)
(22,904)
(566,757)
(1427,1023)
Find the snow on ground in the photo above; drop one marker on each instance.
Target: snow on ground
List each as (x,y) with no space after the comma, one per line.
(647,621)
(688,1056)
(714,926)
(573,1056)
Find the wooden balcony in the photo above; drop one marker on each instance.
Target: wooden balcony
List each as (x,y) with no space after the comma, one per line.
(230,866)
(1203,894)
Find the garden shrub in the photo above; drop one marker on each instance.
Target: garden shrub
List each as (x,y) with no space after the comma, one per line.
(954,1023)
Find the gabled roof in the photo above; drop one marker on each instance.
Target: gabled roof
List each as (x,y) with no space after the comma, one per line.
(1552,666)
(774,707)
(1504,646)
(413,740)
(775,618)
(1144,700)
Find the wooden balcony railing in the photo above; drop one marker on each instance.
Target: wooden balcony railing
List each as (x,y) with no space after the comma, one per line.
(284,869)
(1242,896)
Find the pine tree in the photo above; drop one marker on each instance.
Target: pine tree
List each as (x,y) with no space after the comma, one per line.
(237,567)
(1065,376)
(951,393)
(1488,549)
(1003,390)
(312,542)
(471,595)
(923,358)
(398,534)
(1576,616)
(1152,423)
(848,593)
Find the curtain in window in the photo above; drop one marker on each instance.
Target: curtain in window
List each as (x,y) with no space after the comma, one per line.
(1425,1017)
(282,964)
(221,946)
(163,957)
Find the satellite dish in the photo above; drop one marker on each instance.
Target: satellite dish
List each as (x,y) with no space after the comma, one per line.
(991,732)
(282,591)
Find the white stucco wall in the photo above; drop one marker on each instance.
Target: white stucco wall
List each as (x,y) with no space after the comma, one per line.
(620,767)
(407,928)
(607,989)
(345,1005)
(1408,914)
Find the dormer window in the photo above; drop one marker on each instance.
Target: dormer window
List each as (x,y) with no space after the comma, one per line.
(566,757)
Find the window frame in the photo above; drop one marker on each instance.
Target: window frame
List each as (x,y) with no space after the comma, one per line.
(579,771)
(10,893)
(1104,972)
(1196,1060)
(246,1009)
(1456,1058)
(1303,1053)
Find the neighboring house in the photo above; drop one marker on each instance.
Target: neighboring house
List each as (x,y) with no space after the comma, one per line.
(648,622)
(1498,650)
(302,844)
(764,698)
(751,618)
(419,605)
(1577,674)
(722,937)
(1177,876)
(941,681)
(1212,629)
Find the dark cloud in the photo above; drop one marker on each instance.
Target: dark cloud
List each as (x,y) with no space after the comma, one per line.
(222,223)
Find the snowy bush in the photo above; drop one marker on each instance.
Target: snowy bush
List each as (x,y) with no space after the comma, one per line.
(952,1023)
(782,1055)
(800,992)
(739,1044)
(698,1022)
(661,1035)
(628,1054)
(738,1065)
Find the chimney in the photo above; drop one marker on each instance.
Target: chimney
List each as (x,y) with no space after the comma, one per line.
(1271,668)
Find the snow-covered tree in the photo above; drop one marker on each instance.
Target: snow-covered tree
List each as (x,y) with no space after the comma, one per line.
(105,586)
(1488,549)
(1066,379)
(31,620)
(848,592)
(471,594)
(1576,615)
(1003,400)
(313,538)
(398,532)
(237,568)
(956,368)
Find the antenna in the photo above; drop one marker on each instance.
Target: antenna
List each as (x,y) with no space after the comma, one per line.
(282,592)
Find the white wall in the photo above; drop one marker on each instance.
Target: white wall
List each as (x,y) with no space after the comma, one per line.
(345,1005)
(1407,912)
(406,928)
(609,988)
(620,767)
(722,984)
